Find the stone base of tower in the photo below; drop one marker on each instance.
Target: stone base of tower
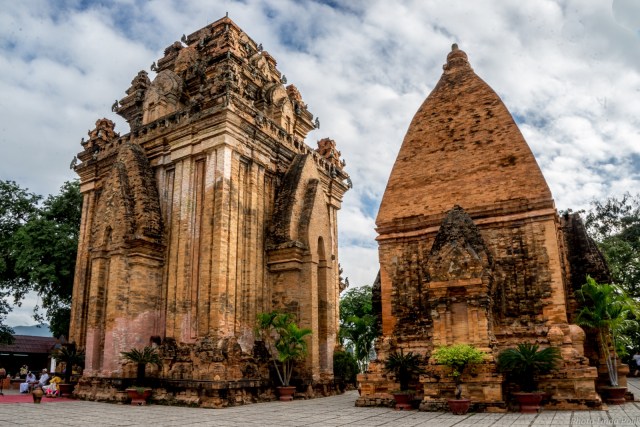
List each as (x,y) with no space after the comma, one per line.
(211,372)
(374,386)
(483,386)
(205,394)
(570,388)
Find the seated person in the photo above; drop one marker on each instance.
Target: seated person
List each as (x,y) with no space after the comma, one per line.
(28,382)
(634,365)
(43,379)
(52,389)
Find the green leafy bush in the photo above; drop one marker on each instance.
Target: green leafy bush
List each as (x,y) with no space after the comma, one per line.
(345,366)
(458,357)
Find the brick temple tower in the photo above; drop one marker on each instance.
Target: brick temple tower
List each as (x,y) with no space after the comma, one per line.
(471,248)
(210,210)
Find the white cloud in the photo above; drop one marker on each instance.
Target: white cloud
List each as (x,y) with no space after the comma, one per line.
(567,69)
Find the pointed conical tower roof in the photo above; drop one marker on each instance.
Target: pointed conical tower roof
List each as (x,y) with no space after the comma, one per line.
(462,148)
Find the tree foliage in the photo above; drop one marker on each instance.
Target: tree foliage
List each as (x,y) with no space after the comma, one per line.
(6,333)
(458,357)
(607,310)
(615,225)
(284,339)
(142,358)
(345,367)
(358,326)
(38,245)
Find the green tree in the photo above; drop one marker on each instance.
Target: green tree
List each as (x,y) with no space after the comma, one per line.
(284,339)
(607,310)
(17,207)
(356,302)
(358,326)
(39,245)
(615,225)
(6,333)
(345,367)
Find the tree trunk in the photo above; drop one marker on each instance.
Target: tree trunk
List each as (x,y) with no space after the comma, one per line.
(140,373)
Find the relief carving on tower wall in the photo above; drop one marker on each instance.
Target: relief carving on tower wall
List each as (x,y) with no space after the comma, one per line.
(163,97)
(522,279)
(410,293)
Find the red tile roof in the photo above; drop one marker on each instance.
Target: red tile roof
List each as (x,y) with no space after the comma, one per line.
(29,344)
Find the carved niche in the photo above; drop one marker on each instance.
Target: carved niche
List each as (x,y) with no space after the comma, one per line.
(459,276)
(163,96)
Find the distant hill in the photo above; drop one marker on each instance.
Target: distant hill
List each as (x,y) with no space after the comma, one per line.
(41,330)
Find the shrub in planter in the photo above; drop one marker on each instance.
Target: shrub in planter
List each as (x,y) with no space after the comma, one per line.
(606,310)
(522,364)
(406,368)
(458,358)
(286,344)
(148,355)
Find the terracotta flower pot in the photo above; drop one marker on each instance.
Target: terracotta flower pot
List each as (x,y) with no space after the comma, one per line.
(459,406)
(529,402)
(139,397)
(37,394)
(614,395)
(403,400)
(286,393)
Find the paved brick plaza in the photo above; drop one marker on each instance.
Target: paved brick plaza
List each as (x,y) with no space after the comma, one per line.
(330,411)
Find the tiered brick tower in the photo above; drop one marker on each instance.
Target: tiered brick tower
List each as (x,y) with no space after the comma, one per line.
(471,249)
(210,210)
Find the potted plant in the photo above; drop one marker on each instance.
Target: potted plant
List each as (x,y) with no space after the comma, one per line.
(458,357)
(405,368)
(286,344)
(605,310)
(70,356)
(523,363)
(148,355)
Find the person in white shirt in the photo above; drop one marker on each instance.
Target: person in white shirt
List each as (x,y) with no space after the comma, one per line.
(635,369)
(31,379)
(43,378)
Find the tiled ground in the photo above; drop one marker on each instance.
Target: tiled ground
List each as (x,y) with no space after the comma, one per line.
(331,411)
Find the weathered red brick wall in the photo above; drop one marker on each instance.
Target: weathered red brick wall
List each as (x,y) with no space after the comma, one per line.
(178,240)
(471,249)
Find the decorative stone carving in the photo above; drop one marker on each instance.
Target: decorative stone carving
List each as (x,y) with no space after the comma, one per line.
(163,96)
(101,135)
(327,149)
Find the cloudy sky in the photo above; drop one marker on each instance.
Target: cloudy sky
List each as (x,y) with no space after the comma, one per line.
(568,70)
